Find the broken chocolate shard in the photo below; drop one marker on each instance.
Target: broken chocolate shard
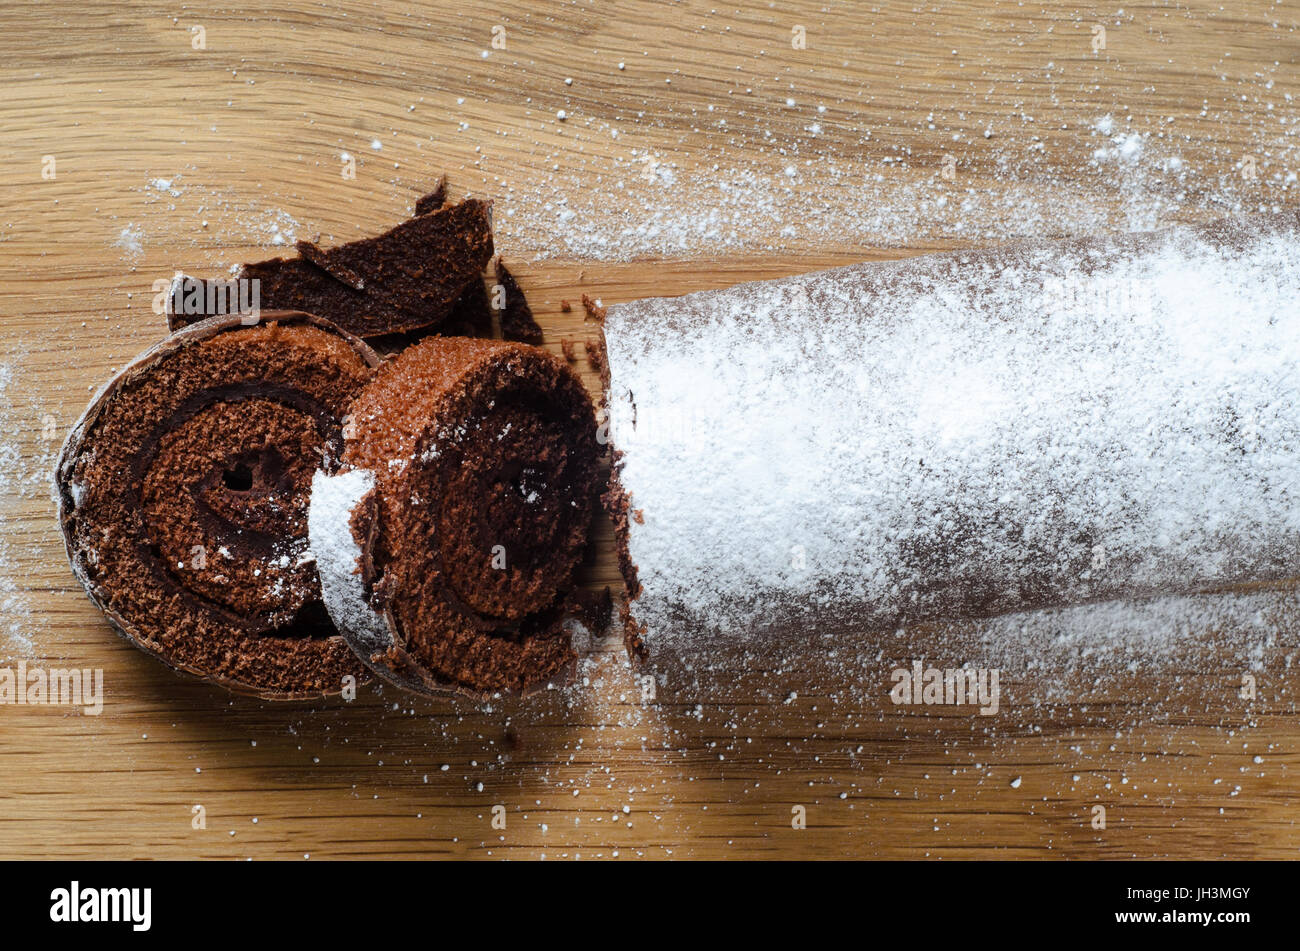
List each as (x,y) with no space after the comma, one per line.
(592,609)
(471,316)
(408,278)
(317,256)
(421,267)
(434,200)
(517,322)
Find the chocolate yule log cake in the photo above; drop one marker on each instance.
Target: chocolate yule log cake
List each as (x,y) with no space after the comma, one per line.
(960,434)
(424,274)
(448,542)
(183,495)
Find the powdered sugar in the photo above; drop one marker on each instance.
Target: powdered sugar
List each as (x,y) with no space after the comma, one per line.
(334,499)
(15,610)
(1236,630)
(131,241)
(968,433)
(813,190)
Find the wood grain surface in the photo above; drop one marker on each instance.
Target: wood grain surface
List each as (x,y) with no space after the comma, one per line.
(177,148)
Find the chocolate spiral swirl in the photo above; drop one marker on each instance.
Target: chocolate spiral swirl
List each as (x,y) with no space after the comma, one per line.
(473,467)
(183,499)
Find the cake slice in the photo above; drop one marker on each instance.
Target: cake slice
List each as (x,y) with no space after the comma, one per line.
(183,497)
(448,543)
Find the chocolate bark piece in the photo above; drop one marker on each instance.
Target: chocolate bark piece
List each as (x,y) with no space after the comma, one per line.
(183,496)
(409,278)
(315,254)
(449,542)
(517,321)
(959,435)
(470,317)
(472,314)
(435,199)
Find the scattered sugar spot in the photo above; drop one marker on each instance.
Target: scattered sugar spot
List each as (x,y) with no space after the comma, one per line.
(131,240)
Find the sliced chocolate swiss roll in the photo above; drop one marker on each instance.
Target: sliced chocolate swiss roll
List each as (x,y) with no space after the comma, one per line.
(447,545)
(183,496)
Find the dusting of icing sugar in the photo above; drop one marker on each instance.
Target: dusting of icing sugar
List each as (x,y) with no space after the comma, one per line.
(968,432)
(14,610)
(334,499)
(222,212)
(807,192)
(25,478)
(166,186)
(1241,629)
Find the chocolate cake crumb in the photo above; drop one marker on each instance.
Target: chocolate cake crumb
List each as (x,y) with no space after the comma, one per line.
(565,307)
(594,310)
(596,357)
(569,350)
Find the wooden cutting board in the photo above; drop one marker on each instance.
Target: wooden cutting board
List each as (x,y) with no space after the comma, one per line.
(136,139)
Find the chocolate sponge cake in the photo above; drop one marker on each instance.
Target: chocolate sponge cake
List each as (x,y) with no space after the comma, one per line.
(183,500)
(448,543)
